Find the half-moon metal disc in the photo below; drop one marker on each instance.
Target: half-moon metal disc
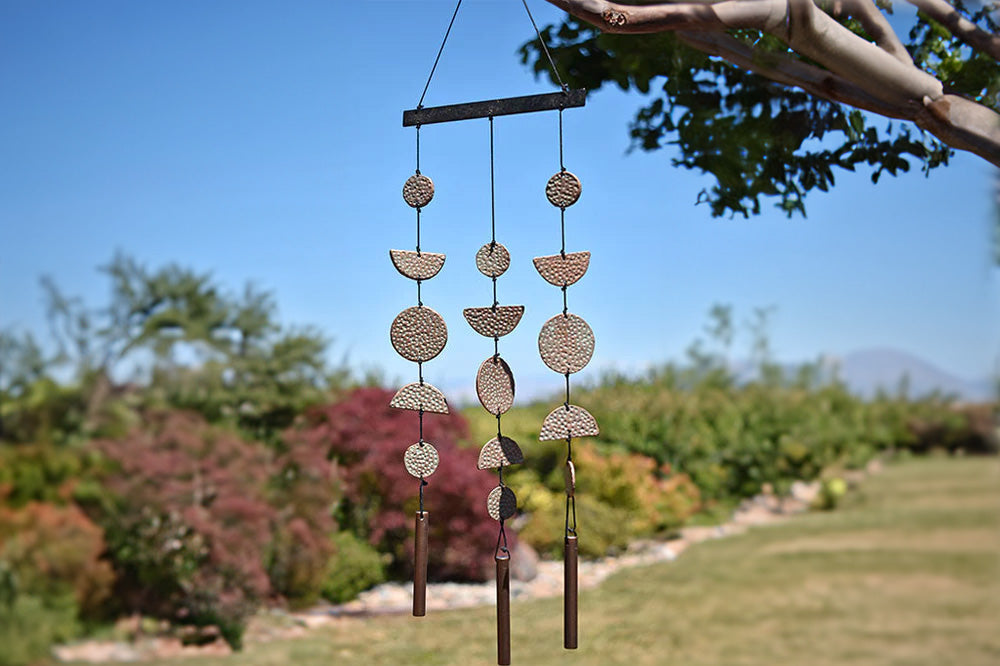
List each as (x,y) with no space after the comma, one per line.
(417,265)
(502,503)
(417,396)
(493,260)
(496,452)
(562,271)
(495,385)
(569,476)
(418,190)
(566,343)
(563,189)
(421,459)
(494,323)
(418,334)
(573,422)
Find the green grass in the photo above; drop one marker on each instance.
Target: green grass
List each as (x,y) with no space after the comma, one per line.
(906,572)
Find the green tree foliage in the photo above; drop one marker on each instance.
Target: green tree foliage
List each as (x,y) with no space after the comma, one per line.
(192,343)
(757,138)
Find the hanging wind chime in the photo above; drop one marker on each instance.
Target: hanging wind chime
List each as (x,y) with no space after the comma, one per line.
(565,343)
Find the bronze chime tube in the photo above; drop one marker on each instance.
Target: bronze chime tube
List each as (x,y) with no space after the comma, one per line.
(569,593)
(503,609)
(420,566)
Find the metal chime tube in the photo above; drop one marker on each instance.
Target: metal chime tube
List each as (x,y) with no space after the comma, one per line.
(503,609)
(419,334)
(420,565)
(569,596)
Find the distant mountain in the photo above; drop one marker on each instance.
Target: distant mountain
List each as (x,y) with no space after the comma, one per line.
(865,371)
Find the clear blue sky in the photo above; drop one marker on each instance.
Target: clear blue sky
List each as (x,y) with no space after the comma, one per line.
(263,142)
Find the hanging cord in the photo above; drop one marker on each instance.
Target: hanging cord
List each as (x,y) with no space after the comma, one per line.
(545,48)
(420,104)
(502,535)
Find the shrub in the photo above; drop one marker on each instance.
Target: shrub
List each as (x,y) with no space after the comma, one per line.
(355,567)
(366,439)
(29,625)
(56,552)
(187,522)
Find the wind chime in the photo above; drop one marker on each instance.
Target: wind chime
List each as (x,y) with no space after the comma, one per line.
(565,343)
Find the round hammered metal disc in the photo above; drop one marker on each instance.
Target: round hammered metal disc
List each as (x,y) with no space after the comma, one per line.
(495,386)
(563,189)
(418,190)
(493,260)
(418,334)
(501,504)
(562,271)
(566,343)
(421,459)
(569,476)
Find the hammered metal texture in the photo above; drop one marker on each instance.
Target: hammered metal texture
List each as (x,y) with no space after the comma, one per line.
(493,260)
(573,422)
(418,190)
(563,189)
(421,459)
(417,265)
(496,452)
(502,503)
(562,271)
(418,333)
(494,323)
(566,343)
(569,476)
(417,396)
(495,386)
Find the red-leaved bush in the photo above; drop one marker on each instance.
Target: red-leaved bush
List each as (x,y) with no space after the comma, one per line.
(188,521)
(366,439)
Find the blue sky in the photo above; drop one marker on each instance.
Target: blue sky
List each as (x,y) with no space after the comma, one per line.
(263,142)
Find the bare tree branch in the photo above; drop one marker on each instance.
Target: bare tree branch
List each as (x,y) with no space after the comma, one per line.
(961,27)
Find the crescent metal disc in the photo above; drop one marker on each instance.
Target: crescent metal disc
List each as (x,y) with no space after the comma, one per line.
(420,397)
(499,452)
(562,423)
(420,459)
(563,189)
(566,343)
(493,260)
(418,334)
(418,190)
(502,503)
(417,265)
(569,477)
(494,322)
(563,271)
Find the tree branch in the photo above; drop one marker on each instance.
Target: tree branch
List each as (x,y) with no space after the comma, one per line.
(789,71)
(861,73)
(961,27)
(875,24)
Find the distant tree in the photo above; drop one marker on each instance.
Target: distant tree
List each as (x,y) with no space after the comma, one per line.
(757,92)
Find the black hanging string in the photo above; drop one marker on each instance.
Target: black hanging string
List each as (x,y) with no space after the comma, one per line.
(545,48)
(420,104)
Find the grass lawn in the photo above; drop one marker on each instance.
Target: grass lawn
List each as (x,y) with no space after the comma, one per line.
(906,572)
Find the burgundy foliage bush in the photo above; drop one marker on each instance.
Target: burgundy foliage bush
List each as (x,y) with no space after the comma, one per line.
(188,523)
(366,439)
